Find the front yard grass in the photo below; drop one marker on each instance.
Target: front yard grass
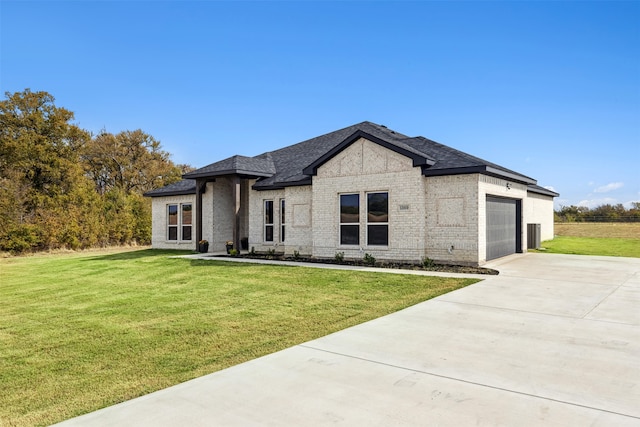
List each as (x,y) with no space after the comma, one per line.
(604,246)
(82,331)
(595,238)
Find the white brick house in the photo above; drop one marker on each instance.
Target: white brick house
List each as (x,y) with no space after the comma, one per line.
(361,189)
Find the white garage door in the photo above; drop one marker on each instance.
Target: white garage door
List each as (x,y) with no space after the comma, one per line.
(502,227)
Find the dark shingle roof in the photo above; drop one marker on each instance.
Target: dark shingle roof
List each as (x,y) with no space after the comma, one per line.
(185,186)
(260,166)
(296,164)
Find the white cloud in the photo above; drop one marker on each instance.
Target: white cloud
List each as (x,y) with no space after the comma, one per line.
(592,203)
(609,187)
(550,188)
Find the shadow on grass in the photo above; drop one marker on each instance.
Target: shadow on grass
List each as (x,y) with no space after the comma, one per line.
(140,254)
(231,264)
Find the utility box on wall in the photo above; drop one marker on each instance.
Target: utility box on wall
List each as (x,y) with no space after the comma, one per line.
(533,236)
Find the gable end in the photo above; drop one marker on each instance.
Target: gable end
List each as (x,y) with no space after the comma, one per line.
(418,159)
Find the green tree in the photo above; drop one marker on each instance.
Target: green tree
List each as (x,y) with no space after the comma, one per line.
(39,170)
(132,161)
(59,187)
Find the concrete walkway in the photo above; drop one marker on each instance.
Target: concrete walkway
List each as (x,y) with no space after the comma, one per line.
(554,340)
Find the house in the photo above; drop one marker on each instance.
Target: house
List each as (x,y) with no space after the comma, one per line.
(361,189)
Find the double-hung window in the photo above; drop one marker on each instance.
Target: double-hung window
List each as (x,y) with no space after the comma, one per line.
(349,219)
(282,221)
(186,220)
(172,222)
(378,219)
(268,220)
(179,222)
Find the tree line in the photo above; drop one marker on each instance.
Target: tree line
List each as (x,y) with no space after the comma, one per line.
(62,187)
(603,213)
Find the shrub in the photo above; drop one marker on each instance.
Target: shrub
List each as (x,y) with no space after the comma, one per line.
(427,262)
(339,257)
(369,259)
(296,255)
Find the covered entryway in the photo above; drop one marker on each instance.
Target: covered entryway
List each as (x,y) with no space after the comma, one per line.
(503,227)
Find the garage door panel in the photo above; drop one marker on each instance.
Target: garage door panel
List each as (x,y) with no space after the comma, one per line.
(501,227)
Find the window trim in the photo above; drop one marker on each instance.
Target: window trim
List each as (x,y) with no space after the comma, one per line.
(180,222)
(377,223)
(267,225)
(283,220)
(183,224)
(171,226)
(341,224)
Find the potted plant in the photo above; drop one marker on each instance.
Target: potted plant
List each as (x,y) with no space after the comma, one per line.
(229,245)
(203,246)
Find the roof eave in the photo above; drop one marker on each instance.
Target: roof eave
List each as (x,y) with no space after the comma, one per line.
(482,169)
(155,193)
(227,172)
(282,184)
(543,191)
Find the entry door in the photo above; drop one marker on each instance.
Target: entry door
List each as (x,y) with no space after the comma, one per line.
(503,227)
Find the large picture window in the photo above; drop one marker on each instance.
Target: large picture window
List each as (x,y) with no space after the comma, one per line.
(179,222)
(349,219)
(268,220)
(377,219)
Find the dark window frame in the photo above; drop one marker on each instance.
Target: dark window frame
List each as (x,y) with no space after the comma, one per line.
(179,223)
(349,219)
(283,220)
(268,221)
(377,218)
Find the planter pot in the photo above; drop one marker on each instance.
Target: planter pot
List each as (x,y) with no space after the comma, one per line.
(229,247)
(203,248)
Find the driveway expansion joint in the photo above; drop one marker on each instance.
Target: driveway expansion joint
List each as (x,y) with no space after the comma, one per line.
(446,377)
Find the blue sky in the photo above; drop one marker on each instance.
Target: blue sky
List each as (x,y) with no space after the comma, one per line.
(550,89)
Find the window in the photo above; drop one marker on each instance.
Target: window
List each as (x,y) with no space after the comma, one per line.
(172,221)
(268,220)
(282,220)
(186,221)
(349,219)
(179,218)
(377,219)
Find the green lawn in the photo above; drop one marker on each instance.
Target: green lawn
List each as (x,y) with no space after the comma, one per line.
(606,246)
(82,331)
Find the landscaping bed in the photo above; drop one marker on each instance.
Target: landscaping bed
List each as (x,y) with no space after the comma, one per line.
(370,262)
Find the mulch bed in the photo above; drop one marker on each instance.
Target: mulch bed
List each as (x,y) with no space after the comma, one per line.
(446,268)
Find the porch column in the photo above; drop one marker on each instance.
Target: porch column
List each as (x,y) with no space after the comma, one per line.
(236,210)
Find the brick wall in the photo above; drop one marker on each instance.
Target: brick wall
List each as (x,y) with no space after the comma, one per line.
(256,220)
(452,218)
(367,167)
(159,222)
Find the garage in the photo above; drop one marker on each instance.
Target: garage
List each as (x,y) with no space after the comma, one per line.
(503,227)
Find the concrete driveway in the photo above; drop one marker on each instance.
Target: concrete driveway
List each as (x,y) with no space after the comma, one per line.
(554,340)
